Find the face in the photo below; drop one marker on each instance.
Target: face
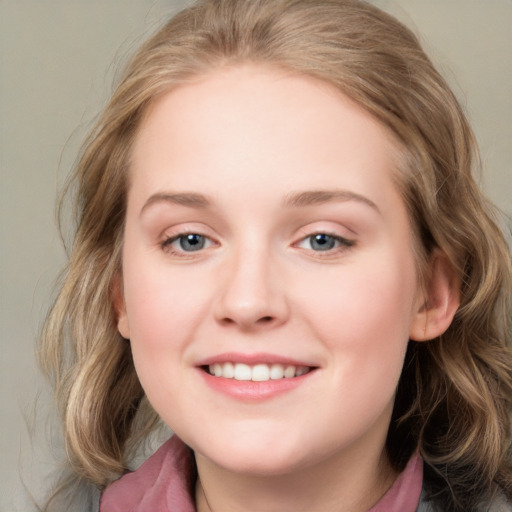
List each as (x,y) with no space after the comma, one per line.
(266,243)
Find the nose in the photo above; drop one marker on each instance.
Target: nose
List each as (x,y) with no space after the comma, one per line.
(252,295)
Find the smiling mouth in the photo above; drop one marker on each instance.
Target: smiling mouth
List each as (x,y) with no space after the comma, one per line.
(256,373)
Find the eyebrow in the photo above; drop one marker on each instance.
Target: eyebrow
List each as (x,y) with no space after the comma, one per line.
(314,197)
(295,200)
(190,199)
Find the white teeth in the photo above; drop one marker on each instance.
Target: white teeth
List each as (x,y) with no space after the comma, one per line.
(257,373)
(276,371)
(289,372)
(260,373)
(228,370)
(242,372)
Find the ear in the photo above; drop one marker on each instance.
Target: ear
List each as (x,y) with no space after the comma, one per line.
(120,306)
(438,302)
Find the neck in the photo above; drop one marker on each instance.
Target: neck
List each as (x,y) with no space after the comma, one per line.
(337,484)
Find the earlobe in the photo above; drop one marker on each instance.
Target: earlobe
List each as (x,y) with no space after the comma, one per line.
(439,302)
(120,307)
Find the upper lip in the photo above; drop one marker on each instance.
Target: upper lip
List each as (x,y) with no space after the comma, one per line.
(253,359)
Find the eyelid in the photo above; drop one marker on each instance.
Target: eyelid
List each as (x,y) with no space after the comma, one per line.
(344,243)
(331,228)
(172,235)
(341,239)
(170,240)
(328,233)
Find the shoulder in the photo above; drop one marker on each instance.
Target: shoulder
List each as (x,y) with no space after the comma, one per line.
(498,504)
(77,496)
(168,476)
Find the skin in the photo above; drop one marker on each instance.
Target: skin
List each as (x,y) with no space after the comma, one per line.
(246,139)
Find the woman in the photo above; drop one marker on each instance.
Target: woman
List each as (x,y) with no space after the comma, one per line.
(280,245)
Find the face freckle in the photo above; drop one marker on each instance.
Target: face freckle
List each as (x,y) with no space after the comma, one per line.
(264,229)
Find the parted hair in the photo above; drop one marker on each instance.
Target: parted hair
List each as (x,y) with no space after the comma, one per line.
(453,400)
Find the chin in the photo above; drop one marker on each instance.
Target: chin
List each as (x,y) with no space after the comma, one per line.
(255,454)
(260,463)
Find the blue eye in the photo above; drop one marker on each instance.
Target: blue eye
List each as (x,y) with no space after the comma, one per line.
(323,242)
(189,242)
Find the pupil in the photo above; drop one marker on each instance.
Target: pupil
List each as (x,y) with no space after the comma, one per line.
(322,242)
(192,242)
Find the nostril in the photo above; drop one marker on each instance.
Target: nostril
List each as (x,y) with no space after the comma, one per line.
(265,319)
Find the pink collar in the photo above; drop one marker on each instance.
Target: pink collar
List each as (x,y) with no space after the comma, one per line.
(166,481)
(404,494)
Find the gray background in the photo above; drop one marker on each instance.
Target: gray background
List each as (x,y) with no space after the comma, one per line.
(57,62)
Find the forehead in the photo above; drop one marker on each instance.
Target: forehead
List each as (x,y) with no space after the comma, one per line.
(257,128)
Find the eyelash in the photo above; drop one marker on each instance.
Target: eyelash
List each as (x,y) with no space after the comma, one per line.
(341,244)
(167,244)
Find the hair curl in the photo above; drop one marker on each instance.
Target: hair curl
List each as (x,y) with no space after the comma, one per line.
(454,397)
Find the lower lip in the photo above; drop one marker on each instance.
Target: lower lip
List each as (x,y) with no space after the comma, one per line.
(254,391)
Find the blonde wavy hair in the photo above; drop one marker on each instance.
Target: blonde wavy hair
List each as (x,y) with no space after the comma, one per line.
(454,398)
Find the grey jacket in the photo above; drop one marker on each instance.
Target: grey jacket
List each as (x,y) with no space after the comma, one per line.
(90,501)
(499,504)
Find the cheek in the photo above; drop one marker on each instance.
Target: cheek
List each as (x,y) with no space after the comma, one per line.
(365,328)
(364,318)
(165,307)
(159,299)
(159,328)
(377,295)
